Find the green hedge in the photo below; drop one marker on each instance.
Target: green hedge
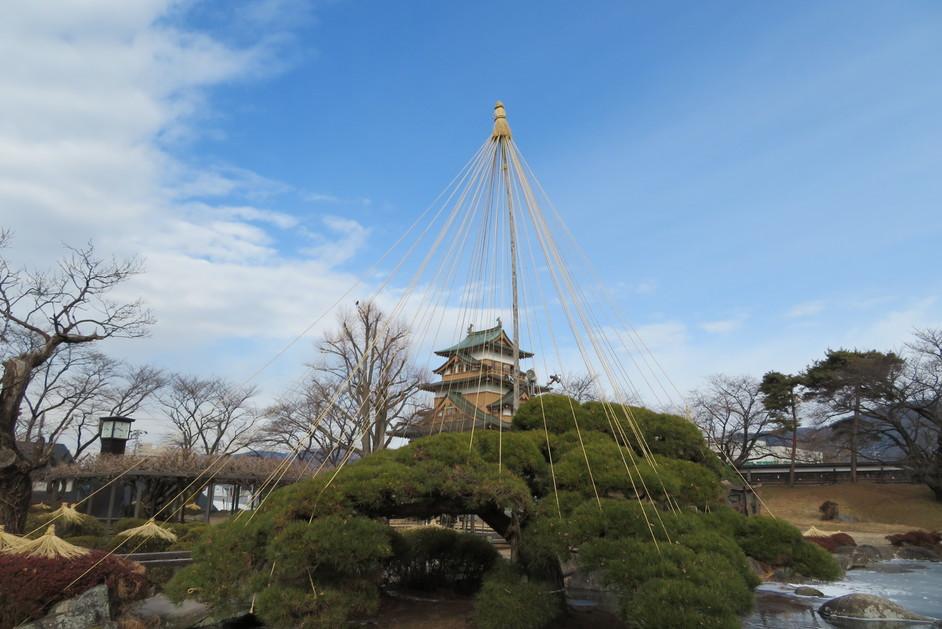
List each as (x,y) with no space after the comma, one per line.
(432,558)
(780,544)
(508,599)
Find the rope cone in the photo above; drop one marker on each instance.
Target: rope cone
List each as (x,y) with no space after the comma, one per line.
(69,515)
(50,546)
(149,530)
(9,541)
(501,126)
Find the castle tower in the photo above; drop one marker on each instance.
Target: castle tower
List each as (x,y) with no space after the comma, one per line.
(475,385)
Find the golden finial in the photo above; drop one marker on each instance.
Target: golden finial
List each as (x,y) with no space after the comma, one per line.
(501,128)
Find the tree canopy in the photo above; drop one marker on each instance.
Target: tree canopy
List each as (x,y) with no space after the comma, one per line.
(647,514)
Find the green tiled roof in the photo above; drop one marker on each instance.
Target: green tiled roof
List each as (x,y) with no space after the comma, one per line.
(478,338)
(474,339)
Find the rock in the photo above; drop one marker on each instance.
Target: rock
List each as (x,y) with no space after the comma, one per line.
(844,560)
(918,553)
(171,615)
(241,621)
(89,609)
(758,568)
(804,590)
(867,607)
(829,510)
(864,556)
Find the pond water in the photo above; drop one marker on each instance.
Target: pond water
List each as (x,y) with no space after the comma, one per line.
(916,585)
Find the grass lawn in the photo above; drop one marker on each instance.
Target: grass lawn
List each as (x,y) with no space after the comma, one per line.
(877,509)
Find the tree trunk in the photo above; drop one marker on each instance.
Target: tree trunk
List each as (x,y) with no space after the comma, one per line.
(791,468)
(934,475)
(15,492)
(853,438)
(15,485)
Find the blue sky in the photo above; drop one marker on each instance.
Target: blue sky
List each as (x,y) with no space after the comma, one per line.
(754,181)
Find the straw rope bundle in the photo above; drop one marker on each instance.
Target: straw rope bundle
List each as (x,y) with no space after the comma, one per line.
(49,546)
(816,532)
(192,507)
(9,541)
(149,530)
(68,515)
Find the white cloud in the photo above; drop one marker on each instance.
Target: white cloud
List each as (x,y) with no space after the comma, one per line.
(646,287)
(346,238)
(895,327)
(723,326)
(98,98)
(806,309)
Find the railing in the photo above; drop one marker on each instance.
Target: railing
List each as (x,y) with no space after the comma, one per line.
(826,473)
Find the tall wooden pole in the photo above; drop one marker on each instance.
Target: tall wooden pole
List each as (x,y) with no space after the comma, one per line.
(502,136)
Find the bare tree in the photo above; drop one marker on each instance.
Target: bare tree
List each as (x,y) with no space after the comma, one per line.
(367,369)
(39,313)
(907,414)
(72,390)
(580,387)
(210,416)
(730,411)
(308,424)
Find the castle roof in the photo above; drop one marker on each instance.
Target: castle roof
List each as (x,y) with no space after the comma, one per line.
(491,338)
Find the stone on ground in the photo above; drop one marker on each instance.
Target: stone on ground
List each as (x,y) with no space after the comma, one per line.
(867,607)
(89,609)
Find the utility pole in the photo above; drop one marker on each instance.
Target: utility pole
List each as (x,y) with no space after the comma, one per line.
(502,136)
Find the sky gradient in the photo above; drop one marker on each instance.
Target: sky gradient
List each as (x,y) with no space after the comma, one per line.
(754,182)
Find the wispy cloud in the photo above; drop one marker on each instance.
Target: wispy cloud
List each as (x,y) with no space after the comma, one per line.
(332,199)
(805,309)
(723,326)
(344,239)
(94,115)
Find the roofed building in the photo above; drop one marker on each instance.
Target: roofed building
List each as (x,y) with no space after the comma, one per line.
(476,385)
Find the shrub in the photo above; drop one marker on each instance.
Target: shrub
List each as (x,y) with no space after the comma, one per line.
(431,558)
(831,543)
(916,538)
(668,435)
(769,540)
(229,566)
(813,561)
(693,485)
(517,452)
(138,544)
(128,523)
(679,604)
(703,585)
(507,600)
(780,544)
(87,526)
(188,535)
(304,608)
(331,549)
(561,413)
(96,542)
(29,586)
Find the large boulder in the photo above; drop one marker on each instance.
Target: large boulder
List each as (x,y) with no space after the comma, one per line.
(89,609)
(919,553)
(862,556)
(867,607)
